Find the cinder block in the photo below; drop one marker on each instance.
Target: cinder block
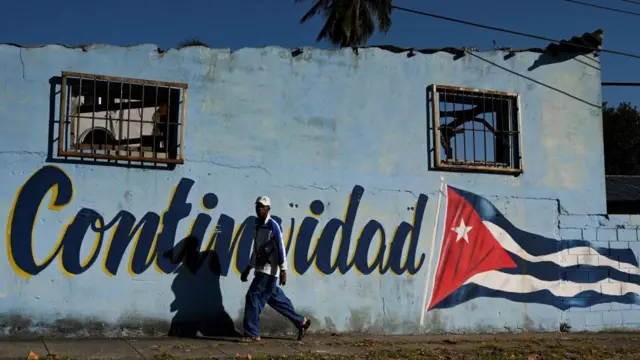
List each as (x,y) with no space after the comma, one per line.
(576,275)
(588,259)
(631,317)
(581,251)
(593,318)
(600,247)
(619,244)
(635,248)
(570,260)
(618,306)
(601,307)
(576,320)
(579,221)
(627,235)
(616,221)
(612,317)
(606,235)
(579,309)
(611,288)
(589,234)
(571,234)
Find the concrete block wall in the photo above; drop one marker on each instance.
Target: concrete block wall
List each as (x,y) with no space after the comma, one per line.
(324,134)
(610,232)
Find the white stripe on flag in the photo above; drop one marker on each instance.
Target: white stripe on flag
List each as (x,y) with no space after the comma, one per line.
(523,284)
(566,257)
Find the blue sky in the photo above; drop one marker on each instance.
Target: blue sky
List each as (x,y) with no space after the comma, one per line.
(251,23)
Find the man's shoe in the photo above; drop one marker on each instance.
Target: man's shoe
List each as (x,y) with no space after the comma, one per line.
(302,330)
(248,339)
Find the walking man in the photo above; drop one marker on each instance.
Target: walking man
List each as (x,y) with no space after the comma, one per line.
(268,258)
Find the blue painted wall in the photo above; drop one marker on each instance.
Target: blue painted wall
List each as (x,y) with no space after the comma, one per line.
(333,127)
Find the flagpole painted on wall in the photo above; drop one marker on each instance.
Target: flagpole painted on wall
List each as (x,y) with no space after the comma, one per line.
(431,253)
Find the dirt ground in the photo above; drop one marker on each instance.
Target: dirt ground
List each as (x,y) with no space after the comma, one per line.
(592,346)
(529,346)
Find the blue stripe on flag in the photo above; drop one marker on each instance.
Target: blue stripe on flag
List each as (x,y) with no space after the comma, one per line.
(550,271)
(584,299)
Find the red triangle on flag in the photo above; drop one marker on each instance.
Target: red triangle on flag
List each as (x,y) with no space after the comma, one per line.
(468,248)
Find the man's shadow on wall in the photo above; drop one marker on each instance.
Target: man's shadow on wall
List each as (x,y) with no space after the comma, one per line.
(198,302)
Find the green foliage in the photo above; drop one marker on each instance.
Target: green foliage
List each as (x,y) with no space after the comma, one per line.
(350,23)
(192,42)
(621,128)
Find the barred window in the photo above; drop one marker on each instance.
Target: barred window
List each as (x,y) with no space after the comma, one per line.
(121,119)
(476,130)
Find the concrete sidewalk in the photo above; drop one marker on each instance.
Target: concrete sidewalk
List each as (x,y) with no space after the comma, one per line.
(170,348)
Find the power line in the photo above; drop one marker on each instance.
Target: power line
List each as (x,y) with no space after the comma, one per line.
(632,2)
(605,7)
(532,36)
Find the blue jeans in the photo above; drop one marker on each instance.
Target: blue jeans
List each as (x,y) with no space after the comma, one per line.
(264,290)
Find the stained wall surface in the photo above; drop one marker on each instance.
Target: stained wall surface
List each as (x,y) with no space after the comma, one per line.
(334,138)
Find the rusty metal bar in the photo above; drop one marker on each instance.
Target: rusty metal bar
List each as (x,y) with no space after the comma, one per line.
(95,148)
(124,79)
(473,133)
(510,133)
(63,110)
(442,122)
(435,103)
(464,133)
(492,169)
(495,135)
(156,124)
(145,121)
(520,159)
(166,144)
(75,130)
(455,135)
(501,119)
(141,121)
(182,123)
(129,124)
(93,115)
(120,120)
(473,90)
(471,101)
(108,122)
(127,158)
(484,129)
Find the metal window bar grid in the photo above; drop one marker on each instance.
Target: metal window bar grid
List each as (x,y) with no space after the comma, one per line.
(476,129)
(101,140)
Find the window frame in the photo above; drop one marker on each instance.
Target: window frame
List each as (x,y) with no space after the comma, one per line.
(440,164)
(75,153)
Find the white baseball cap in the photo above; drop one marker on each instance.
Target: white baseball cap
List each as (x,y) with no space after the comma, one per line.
(264,200)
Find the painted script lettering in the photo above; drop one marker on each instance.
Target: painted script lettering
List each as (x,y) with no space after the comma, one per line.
(153,235)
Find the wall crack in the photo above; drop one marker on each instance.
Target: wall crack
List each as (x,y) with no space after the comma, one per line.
(397,190)
(22,62)
(240,167)
(330,187)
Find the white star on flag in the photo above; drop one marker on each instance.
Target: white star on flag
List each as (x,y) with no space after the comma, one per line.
(462,230)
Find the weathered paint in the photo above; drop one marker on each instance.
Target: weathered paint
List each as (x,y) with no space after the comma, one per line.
(338,140)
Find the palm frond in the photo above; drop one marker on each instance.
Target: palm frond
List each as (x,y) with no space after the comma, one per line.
(350,23)
(318,6)
(192,42)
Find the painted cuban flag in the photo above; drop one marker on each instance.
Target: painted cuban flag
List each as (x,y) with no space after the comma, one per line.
(485,255)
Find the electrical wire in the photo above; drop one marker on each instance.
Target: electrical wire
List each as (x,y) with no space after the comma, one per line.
(532,36)
(604,7)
